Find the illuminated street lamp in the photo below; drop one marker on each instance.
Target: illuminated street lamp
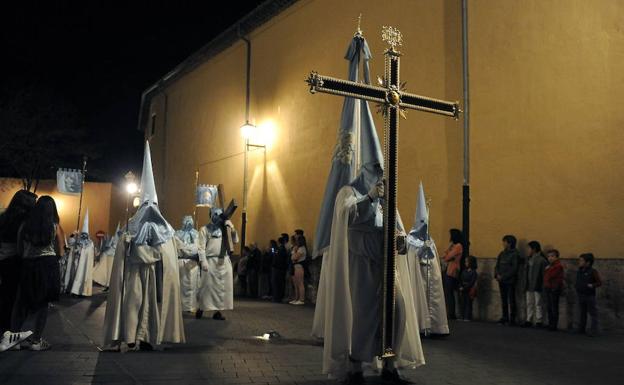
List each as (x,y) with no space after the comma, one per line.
(248,131)
(131,189)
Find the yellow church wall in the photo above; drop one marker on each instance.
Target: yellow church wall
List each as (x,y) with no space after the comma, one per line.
(546,136)
(545,129)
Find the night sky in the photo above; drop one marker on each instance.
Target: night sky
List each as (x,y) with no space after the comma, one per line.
(98,58)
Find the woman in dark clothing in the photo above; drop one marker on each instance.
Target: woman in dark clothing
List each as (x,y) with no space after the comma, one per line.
(40,241)
(10,221)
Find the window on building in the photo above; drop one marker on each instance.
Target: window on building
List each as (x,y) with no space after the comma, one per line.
(153,125)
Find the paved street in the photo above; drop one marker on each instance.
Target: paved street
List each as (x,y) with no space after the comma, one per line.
(228,353)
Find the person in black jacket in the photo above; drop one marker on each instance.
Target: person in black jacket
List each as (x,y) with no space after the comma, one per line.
(264,272)
(279,267)
(506,272)
(253,267)
(587,280)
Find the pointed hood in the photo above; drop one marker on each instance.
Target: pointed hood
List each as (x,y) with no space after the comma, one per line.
(420,228)
(83,238)
(85,223)
(148,187)
(356,117)
(148,226)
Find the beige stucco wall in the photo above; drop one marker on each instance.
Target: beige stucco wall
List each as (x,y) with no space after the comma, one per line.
(546,77)
(97,197)
(545,126)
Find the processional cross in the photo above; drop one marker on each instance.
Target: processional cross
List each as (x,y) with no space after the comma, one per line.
(393,100)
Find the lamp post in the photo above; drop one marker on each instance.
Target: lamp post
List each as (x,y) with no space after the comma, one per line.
(248,131)
(131,189)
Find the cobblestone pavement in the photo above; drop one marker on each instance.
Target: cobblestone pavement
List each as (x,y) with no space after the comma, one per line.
(228,353)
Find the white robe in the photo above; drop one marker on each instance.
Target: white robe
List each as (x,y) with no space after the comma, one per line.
(216,286)
(78,277)
(189,272)
(427,275)
(347,315)
(133,313)
(103,268)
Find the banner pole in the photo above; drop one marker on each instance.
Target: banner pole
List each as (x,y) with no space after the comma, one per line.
(84,174)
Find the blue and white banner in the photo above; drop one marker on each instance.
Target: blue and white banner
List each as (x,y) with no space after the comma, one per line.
(69,181)
(206,195)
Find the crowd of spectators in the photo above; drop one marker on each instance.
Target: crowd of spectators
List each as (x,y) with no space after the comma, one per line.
(278,272)
(542,277)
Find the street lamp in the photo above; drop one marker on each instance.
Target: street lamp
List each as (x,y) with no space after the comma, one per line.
(131,189)
(248,131)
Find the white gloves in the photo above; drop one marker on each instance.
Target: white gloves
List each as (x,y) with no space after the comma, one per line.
(204,265)
(229,223)
(377,191)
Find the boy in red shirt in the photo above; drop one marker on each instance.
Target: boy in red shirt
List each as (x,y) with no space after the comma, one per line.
(553,285)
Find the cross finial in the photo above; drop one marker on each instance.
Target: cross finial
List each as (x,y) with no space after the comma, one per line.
(392,36)
(359,27)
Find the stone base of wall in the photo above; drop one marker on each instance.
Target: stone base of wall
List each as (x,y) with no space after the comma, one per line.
(487,305)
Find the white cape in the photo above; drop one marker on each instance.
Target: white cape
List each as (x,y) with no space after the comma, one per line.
(189,272)
(333,317)
(78,275)
(427,280)
(103,268)
(132,310)
(216,286)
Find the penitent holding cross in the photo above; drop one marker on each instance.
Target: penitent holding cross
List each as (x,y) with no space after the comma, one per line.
(393,100)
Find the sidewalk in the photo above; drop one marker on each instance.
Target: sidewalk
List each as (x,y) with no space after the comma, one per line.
(228,353)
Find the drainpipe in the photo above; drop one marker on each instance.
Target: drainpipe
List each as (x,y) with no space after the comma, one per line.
(466,186)
(245,171)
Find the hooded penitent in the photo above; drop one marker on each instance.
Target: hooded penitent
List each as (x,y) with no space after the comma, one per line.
(148,226)
(79,269)
(350,225)
(187,244)
(102,270)
(422,257)
(144,301)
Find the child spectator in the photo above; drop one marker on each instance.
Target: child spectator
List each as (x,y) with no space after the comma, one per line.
(506,271)
(468,286)
(553,285)
(587,280)
(536,263)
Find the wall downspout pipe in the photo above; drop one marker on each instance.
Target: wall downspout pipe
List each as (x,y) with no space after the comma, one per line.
(245,171)
(466,186)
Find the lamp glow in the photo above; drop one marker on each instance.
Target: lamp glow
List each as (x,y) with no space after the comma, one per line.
(248,130)
(132,188)
(136,202)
